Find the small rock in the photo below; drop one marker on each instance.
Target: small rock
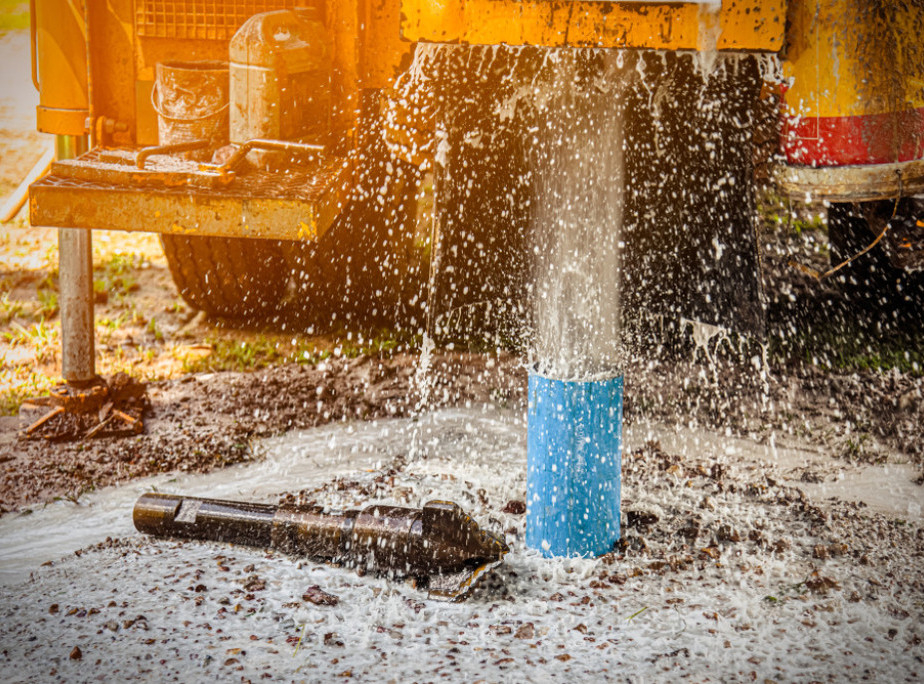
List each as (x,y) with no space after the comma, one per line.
(690,531)
(780,545)
(254,583)
(711,552)
(823,551)
(527,631)
(819,584)
(76,654)
(514,507)
(53,608)
(330,639)
(636,518)
(727,533)
(319,597)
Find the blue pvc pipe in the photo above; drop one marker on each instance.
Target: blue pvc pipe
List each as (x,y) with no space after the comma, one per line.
(574,458)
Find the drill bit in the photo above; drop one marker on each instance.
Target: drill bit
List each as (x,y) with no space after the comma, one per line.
(439,545)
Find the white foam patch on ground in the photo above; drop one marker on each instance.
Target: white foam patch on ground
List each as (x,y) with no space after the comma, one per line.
(666,607)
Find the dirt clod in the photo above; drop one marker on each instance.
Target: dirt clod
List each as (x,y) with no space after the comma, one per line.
(319,597)
(514,507)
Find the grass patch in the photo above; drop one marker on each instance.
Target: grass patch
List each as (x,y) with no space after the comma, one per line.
(851,347)
(115,276)
(41,337)
(47,304)
(10,308)
(234,354)
(780,213)
(18,383)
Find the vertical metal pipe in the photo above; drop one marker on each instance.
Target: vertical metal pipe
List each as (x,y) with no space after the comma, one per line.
(75,282)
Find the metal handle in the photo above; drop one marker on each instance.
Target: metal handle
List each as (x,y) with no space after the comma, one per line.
(260,144)
(282,19)
(142,156)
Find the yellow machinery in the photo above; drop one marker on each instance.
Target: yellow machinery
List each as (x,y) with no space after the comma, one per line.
(406,86)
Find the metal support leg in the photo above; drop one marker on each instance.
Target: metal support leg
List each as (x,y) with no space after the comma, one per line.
(75,277)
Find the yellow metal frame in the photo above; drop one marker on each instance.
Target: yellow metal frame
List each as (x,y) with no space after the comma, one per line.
(838,65)
(743,25)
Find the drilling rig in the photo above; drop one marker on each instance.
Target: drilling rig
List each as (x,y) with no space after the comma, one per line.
(267,140)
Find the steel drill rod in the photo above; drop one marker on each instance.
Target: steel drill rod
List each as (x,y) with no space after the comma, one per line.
(438,545)
(75,276)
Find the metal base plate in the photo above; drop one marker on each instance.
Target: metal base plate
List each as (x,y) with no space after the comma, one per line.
(171,195)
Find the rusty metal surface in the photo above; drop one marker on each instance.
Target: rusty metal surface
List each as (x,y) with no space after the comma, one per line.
(201,19)
(852,183)
(104,191)
(730,25)
(439,545)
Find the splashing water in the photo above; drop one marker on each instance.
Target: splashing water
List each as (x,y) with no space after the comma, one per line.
(577,217)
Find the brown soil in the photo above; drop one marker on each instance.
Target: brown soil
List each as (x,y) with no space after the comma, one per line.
(203,421)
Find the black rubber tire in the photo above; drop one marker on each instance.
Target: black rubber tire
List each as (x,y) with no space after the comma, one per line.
(227,277)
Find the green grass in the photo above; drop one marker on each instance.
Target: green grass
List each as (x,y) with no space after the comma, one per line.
(115,276)
(775,210)
(14,15)
(39,336)
(849,348)
(47,304)
(9,308)
(231,354)
(18,384)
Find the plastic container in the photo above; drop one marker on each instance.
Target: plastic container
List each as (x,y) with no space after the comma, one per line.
(574,462)
(281,78)
(191,101)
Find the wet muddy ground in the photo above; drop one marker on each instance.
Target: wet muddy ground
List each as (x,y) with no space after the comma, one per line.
(727,570)
(203,421)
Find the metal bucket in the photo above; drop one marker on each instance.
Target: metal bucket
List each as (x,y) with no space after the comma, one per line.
(574,462)
(191,101)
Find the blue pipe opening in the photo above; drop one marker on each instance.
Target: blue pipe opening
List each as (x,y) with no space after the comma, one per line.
(574,461)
